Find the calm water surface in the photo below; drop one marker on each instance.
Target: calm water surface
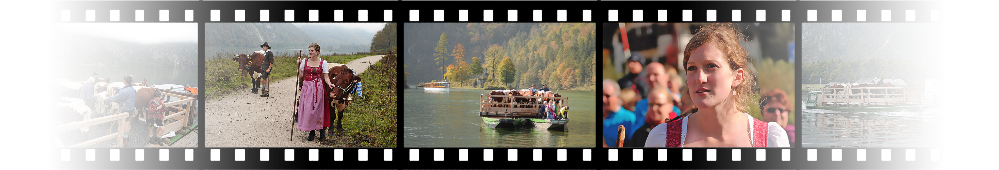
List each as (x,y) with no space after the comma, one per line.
(450,119)
(827,128)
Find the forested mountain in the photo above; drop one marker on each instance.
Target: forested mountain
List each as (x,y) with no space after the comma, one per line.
(332,38)
(385,39)
(277,35)
(561,55)
(338,38)
(848,52)
(85,49)
(856,41)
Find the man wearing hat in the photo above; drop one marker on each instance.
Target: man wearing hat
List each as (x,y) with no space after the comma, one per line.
(156,110)
(267,66)
(126,100)
(631,80)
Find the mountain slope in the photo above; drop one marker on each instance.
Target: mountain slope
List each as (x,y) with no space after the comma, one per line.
(84,49)
(277,35)
(861,41)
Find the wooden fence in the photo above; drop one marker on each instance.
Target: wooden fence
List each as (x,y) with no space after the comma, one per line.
(173,121)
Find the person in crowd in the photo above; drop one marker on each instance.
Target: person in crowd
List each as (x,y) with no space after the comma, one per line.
(155,117)
(773,106)
(126,101)
(660,110)
(658,77)
(720,87)
(615,115)
(629,98)
(632,80)
(544,87)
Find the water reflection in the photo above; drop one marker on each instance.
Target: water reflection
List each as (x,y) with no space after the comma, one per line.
(450,119)
(826,128)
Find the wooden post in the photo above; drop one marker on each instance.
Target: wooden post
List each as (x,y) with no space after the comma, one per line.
(121,131)
(620,135)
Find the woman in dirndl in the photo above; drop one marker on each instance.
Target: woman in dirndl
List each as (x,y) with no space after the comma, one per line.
(719,84)
(313,73)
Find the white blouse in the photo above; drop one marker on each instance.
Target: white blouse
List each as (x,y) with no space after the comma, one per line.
(776,136)
(326,68)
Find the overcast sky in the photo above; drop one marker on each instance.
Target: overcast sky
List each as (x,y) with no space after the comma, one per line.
(134,32)
(370,27)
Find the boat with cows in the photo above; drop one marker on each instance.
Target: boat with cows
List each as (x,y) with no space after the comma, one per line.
(524,108)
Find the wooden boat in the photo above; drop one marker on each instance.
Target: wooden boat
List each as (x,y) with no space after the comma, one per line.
(864,95)
(504,111)
(437,86)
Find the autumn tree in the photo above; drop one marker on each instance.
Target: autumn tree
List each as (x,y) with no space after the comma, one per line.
(476,66)
(459,71)
(508,71)
(440,52)
(493,55)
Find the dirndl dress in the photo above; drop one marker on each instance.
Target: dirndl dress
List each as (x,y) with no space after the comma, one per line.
(312,104)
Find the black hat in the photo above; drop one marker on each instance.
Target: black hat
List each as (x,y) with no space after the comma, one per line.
(265,44)
(128,79)
(637,57)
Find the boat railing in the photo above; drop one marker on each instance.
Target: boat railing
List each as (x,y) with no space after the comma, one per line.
(485,101)
(888,96)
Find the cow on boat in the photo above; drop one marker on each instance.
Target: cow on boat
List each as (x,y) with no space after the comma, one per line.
(249,65)
(68,111)
(70,89)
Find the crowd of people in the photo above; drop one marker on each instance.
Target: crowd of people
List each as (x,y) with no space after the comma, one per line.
(657,107)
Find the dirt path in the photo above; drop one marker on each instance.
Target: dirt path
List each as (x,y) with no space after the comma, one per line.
(244,119)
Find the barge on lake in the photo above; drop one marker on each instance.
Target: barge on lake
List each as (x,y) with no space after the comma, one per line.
(524,108)
(865,94)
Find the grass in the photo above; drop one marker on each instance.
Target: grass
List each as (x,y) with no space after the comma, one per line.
(371,121)
(223,77)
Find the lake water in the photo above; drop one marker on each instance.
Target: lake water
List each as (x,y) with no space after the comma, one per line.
(186,76)
(450,119)
(827,128)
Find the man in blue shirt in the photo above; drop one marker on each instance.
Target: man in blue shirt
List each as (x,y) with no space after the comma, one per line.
(615,115)
(126,101)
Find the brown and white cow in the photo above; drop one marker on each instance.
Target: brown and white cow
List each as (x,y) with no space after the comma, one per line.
(73,112)
(249,65)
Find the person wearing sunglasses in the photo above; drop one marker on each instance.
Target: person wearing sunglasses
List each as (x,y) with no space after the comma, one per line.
(773,104)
